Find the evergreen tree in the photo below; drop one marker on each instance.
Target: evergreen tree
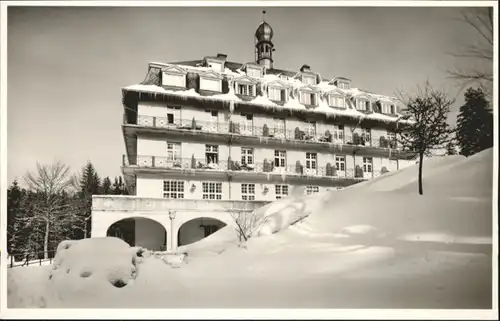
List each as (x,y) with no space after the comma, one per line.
(106,186)
(89,185)
(451,148)
(119,187)
(15,196)
(474,123)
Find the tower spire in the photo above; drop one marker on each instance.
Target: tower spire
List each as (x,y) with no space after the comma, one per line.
(264,15)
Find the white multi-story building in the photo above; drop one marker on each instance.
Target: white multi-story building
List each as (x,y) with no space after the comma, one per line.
(208,137)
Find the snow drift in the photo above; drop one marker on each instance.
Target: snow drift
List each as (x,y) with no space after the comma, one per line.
(376,244)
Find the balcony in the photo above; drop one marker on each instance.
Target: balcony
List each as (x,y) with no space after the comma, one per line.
(247,133)
(259,170)
(110,203)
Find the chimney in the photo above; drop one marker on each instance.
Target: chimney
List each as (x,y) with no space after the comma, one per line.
(305,68)
(222,56)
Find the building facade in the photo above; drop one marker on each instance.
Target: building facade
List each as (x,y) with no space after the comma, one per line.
(207,137)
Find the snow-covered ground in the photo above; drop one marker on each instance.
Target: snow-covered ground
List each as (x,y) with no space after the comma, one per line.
(376,244)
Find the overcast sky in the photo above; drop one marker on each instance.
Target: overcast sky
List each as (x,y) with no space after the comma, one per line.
(66,65)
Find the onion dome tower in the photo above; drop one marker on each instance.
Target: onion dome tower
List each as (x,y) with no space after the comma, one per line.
(263,45)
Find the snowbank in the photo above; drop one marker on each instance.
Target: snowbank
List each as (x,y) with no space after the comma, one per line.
(82,268)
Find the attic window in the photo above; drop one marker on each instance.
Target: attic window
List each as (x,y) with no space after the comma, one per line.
(215,65)
(253,72)
(362,104)
(174,79)
(336,101)
(244,89)
(278,94)
(343,84)
(388,108)
(308,80)
(211,84)
(308,98)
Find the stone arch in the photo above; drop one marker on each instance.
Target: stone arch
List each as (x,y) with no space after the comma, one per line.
(198,228)
(140,231)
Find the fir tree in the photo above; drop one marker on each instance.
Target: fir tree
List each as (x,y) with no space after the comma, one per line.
(474,123)
(89,185)
(451,148)
(15,196)
(106,186)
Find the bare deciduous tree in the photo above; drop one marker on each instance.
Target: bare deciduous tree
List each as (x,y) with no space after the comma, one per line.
(428,130)
(481,20)
(50,182)
(246,223)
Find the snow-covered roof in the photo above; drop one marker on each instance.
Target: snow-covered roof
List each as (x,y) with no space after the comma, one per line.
(291,104)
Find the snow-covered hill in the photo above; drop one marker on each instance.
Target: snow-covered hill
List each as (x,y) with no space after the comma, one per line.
(377,244)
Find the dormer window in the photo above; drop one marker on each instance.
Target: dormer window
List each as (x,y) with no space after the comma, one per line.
(336,101)
(254,72)
(308,98)
(245,89)
(174,77)
(211,81)
(217,66)
(215,63)
(278,91)
(283,77)
(343,85)
(388,108)
(362,104)
(308,79)
(278,94)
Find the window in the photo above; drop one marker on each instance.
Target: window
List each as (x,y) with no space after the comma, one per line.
(311,162)
(278,94)
(366,133)
(212,154)
(279,127)
(311,128)
(174,80)
(246,126)
(361,104)
(212,123)
(173,114)
(281,191)
(173,189)
(312,189)
(393,110)
(173,151)
(280,158)
(336,101)
(246,156)
(391,136)
(338,132)
(388,108)
(343,85)
(309,80)
(252,72)
(307,98)
(340,163)
(244,89)
(211,84)
(367,164)
(217,66)
(248,192)
(212,191)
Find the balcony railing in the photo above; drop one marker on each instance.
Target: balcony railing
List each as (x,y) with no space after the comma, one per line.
(296,134)
(267,166)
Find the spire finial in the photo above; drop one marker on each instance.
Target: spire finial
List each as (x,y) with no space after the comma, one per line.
(263,15)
